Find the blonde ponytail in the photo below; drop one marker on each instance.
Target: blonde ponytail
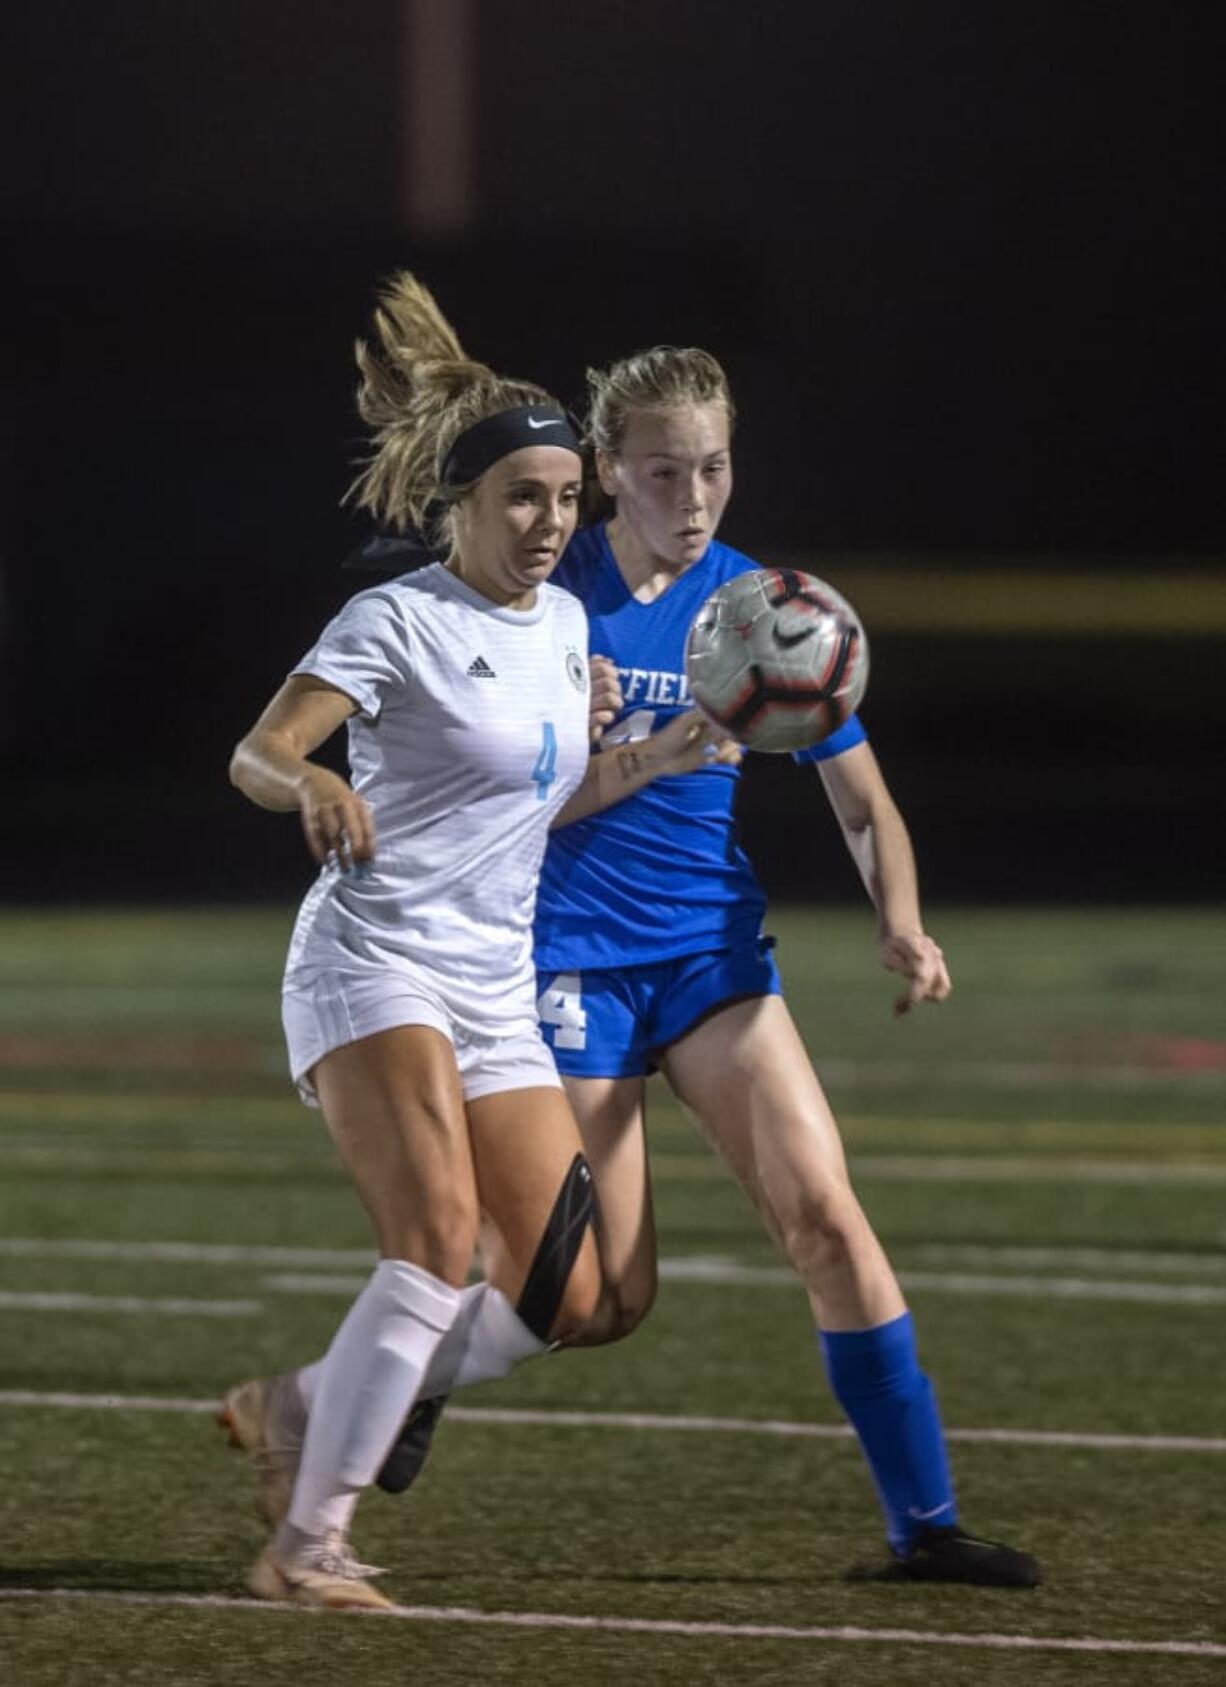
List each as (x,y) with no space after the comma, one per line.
(418,393)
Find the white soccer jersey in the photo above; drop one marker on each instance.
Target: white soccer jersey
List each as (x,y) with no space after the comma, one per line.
(471,731)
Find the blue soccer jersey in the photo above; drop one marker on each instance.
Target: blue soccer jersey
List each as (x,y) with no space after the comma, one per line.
(661,874)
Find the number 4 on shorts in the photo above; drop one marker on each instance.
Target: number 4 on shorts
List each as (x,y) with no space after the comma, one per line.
(560,1005)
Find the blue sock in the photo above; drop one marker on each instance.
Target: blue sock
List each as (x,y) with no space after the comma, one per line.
(876,1379)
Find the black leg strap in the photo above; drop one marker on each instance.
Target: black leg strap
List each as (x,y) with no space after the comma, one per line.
(559,1247)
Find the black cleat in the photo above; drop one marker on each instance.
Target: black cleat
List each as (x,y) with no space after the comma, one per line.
(402,1466)
(950,1555)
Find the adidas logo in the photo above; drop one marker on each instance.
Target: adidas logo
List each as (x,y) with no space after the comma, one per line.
(480,669)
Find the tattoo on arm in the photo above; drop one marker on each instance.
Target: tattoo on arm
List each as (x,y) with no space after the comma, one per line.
(630,763)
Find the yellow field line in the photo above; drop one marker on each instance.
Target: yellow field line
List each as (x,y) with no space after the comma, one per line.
(1018,599)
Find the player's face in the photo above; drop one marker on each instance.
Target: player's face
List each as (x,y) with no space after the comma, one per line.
(672,480)
(515,523)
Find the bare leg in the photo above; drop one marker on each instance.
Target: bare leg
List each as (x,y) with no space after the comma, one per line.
(610,1112)
(745,1076)
(395,1111)
(393,1105)
(518,1190)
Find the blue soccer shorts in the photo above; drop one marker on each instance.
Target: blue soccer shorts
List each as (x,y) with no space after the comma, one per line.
(618,1024)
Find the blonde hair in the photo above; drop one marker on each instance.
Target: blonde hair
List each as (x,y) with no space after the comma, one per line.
(663,378)
(418,393)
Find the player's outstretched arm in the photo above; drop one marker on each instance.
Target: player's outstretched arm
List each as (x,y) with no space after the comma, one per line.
(270,766)
(686,743)
(880,846)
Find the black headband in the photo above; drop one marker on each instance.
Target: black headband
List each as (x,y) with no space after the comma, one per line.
(510,430)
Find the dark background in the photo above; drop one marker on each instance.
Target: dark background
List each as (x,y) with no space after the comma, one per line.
(959,260)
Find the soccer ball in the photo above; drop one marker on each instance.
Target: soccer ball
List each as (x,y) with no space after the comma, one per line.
(777,658)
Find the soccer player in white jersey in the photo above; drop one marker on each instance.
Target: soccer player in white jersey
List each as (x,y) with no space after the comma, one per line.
(651,956)
(409,994)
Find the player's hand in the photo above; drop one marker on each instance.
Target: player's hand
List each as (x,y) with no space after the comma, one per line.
(606,696)
(336,821)
(691,741)
(921,962)
(724,752)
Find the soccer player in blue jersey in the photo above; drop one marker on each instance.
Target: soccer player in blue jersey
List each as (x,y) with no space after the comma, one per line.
(651,955)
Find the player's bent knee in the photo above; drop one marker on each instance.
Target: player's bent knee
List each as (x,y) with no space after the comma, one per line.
(563,1282)
(629,1307)
(618,1314)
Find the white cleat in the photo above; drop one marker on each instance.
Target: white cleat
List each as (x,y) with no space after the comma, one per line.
(320,1573)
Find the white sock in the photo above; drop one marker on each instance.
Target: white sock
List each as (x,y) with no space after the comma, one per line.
(486,1341)
(366,1383)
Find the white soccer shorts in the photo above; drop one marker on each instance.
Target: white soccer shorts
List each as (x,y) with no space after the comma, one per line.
(340,1008)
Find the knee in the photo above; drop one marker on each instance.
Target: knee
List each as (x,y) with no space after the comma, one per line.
(580,1297)
(619,1310)
(442,1240)
(823,1233)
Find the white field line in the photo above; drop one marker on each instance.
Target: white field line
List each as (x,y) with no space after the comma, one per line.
(128,1305)
(702,1270)
(713,1269)
(1154,1260)
(182,1253)
(988,1167)
(107,1402)
(828,1431)
(1066,1288)
(651,1422)
(694,1269)
(648,1625)
(1025,1168)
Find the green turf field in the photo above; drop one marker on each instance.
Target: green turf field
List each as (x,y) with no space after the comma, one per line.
(1045,1157)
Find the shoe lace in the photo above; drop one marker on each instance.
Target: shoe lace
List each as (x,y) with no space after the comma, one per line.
(333,1557)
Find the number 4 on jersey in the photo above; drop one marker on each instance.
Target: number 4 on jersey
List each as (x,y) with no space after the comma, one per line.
(546,769)
(561,1006)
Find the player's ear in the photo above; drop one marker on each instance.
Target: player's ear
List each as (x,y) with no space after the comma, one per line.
(606,473)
